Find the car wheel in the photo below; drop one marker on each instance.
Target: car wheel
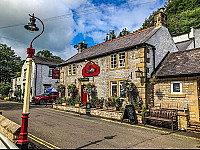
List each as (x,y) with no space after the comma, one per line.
(42,102)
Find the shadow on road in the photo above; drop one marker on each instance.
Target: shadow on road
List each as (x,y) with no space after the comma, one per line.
(98,141)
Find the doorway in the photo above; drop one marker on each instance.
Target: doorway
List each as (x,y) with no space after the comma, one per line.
(83,94)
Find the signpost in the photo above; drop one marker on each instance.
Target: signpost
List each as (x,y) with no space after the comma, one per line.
(130,114)
(88,106)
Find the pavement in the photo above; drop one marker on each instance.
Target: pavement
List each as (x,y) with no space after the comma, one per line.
(5,143)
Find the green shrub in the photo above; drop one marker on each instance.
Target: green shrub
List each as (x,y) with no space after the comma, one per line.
(4,88)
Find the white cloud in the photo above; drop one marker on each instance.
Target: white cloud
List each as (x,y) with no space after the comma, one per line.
(59,32)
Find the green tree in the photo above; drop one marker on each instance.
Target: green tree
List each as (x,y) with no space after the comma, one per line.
(124,32)
(9,63)
(48,54)
(110,36)
(181,14)
(4,88)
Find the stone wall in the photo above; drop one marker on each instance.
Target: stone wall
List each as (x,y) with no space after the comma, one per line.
(188,99)
(10,129)
(135,58)
(108,114)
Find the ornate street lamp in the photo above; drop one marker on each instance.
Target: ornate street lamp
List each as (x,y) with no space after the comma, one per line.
(23,141)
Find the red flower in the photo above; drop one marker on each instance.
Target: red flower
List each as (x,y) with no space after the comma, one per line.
(113,104)
(97,103)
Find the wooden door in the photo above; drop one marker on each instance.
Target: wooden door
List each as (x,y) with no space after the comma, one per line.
(84,95)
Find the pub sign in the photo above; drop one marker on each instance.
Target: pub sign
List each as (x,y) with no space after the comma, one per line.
(56,74)
(90,70)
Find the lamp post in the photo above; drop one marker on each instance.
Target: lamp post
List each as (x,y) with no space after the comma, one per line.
(23,141)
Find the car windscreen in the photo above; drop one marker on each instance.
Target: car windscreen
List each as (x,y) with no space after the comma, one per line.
(45,94)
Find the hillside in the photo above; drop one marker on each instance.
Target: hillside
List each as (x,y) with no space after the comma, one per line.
(182,14)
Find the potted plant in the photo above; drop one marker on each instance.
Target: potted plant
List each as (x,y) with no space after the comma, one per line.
(61,88)
(110,103)
(99,103)
(77,101)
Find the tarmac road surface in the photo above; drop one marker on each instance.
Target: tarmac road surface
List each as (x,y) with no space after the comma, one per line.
(53,129)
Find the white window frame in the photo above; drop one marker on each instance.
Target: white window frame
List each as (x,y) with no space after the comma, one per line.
(113,58)
(121,59)
(25,70)
(120,84)
(51,71)
(172,83)
(73,69)
(111,87)
(69,70)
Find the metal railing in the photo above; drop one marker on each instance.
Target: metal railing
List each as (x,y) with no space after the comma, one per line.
(5,143)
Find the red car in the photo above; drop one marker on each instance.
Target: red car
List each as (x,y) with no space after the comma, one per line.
(48,97)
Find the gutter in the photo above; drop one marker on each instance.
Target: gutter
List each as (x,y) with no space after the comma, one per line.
(179,75)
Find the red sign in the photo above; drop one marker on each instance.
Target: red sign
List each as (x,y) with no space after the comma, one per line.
(90,69)
(56,74)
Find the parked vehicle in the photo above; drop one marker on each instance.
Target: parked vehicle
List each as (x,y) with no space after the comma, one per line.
(48,97)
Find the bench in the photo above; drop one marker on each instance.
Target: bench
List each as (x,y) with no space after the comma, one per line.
(163,116)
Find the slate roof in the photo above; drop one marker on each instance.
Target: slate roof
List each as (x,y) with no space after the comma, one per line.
(181,63)
(46,61)
(183,45)
(117,44)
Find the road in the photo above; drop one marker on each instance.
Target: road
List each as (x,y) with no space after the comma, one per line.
(53,129)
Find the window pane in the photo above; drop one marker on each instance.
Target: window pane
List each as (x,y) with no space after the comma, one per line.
(113,88)
(121,92)
(113,61)
(73,69)
(69,69)
(122,59)
(50,72)
(176,87)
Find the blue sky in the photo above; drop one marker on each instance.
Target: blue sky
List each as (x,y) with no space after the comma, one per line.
(69,22)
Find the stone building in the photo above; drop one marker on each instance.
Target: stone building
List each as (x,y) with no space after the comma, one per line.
(41,77)
(177,82)
(118,60)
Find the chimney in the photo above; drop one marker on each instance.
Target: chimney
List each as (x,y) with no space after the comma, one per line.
(82,46)
(160,19)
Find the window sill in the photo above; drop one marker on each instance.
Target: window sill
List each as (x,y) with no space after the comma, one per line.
(111,69)
(177,95)
(71,75)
